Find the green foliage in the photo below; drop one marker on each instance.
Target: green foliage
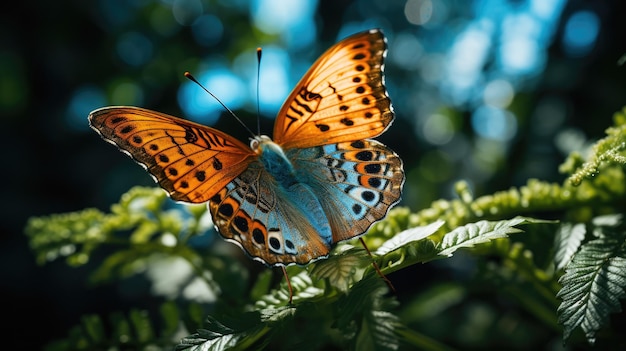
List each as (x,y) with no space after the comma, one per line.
(605,153)
(595,279)
(135,331)
(562,271)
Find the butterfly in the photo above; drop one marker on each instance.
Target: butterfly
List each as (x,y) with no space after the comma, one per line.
(321,180)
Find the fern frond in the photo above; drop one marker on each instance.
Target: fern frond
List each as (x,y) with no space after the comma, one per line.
(594,283)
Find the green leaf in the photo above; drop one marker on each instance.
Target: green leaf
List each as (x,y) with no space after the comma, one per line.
(480,232)
(359,299)
(341,270)
(407,236)
(593,284)
(94,328)
(366,312)
(171,317)
(262,284)
(216,337)
(72,235)
(378,331)
(142,325)
(568,238)
(242,333)
(304,288)
(120,332)
(605,153)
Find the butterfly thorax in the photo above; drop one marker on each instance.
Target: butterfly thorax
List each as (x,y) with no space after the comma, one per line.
(274,160)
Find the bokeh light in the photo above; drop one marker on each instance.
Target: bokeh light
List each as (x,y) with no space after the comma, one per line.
(580,33)
(465,62)
(84,100)
(498,93)
(418,12)
(162,21)
(201,106)
(494,123)
(438,129)
(208,30)
(294,20)
(406,51)
(134,48)
(126,92)
(187,11)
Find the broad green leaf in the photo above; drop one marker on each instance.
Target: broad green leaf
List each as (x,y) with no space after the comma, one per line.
(341,270)
(567,241)
(262,284)
(480,232)
(378,332)
(244,331)
(365,313)
(303,288)
(593,285)
(359,299)
(407,236)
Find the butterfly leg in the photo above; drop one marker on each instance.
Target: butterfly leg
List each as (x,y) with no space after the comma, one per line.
(375,267)
(288,284)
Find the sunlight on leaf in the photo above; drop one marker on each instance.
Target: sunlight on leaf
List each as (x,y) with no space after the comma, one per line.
(594,283)
(480,232)
(378,332)
(340,270)
(607,151)
(243,330)
(407,236)
(568,238)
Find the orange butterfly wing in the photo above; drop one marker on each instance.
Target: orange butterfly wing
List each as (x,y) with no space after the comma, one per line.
(341,98)
(190,161)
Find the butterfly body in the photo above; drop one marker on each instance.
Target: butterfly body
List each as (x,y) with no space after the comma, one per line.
(274,160)
(288,200)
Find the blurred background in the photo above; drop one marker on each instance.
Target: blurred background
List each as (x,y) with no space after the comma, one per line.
(492,92)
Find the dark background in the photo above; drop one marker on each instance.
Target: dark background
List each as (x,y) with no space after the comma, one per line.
(52,162)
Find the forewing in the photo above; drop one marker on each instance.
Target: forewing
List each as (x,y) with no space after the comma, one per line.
(190,161)
(341,98)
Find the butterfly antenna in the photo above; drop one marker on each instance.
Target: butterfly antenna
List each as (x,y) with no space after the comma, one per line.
(376,267)
(193,79)
(259,52)
(288,284)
